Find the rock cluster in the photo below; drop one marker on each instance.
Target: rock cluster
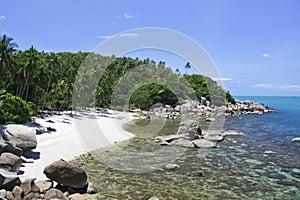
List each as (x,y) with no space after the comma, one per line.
(190,135)
(71,180)
(206,109)
(61,172)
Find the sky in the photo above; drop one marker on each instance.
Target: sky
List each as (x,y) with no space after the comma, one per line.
(254,44)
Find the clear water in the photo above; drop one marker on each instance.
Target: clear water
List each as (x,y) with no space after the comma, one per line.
(263,165)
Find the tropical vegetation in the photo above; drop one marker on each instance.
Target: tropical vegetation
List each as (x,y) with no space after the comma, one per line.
(33,80)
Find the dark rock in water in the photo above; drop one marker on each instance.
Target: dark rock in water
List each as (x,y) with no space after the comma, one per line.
(8,180)
(10,162)
(20,136)
(66,173)
(203,143)
(55,194)
(7,147)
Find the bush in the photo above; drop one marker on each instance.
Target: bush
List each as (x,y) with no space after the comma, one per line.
(13,109)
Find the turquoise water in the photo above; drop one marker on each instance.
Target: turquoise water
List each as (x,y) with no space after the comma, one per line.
(264,164)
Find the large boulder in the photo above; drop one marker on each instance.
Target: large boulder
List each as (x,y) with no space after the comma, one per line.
(8,180)
(21,136)
(190,129)
(7,147)
(66,174)
(10,162)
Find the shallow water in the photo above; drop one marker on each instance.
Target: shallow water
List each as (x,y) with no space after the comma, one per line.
(264,164)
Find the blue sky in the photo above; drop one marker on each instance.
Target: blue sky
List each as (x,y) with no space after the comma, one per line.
(255,44)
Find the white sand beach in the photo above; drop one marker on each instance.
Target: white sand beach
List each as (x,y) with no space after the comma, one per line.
(85,131)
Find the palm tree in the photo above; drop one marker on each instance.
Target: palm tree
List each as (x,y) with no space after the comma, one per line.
(187,66)
(7,48)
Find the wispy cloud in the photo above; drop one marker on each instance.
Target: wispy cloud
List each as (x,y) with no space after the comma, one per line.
(2,18)
(122,35)
(278,86)
(221,79)
(125,16)
(265,55)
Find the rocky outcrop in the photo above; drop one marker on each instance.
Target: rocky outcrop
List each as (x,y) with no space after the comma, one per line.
(20,136)
(66,173)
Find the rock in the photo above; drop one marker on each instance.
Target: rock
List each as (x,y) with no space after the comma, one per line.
(92,188)
(18,193)
(2,194)
(189,123)
(190,129)
(76,196)
(172,166)
(210,119)
(28,186)
(8,180)
(213,137)
(66,173)
(9,195)
(20,136)
(44,185)
(168,138)
(296,139)
(10,162)
(9,148)
(203,143)
(232,134)
(32,196)
(55,194)
(153,198)
(183,143)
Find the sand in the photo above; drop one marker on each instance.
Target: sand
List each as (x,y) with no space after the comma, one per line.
(84,131)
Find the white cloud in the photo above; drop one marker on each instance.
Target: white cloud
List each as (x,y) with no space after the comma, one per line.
(265,55)
(122,35)
(221,79)
(279,86)
(2,18)
(125,16)
(105,36)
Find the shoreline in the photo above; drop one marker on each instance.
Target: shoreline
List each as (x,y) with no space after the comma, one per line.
(66,143)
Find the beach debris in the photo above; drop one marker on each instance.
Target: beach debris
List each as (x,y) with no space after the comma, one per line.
(20,136)
(66,173)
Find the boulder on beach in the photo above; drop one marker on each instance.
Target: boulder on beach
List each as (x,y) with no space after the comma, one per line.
(8,180)
(9,148)
(10,162)
(20,136)
(66,173)
(55,194)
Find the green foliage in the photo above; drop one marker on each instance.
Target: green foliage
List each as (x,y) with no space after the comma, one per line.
(15,110)
(47,80)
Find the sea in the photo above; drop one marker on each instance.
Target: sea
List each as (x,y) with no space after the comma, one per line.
(264,164)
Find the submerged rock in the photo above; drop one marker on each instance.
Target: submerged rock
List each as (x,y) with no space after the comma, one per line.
(203,143)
